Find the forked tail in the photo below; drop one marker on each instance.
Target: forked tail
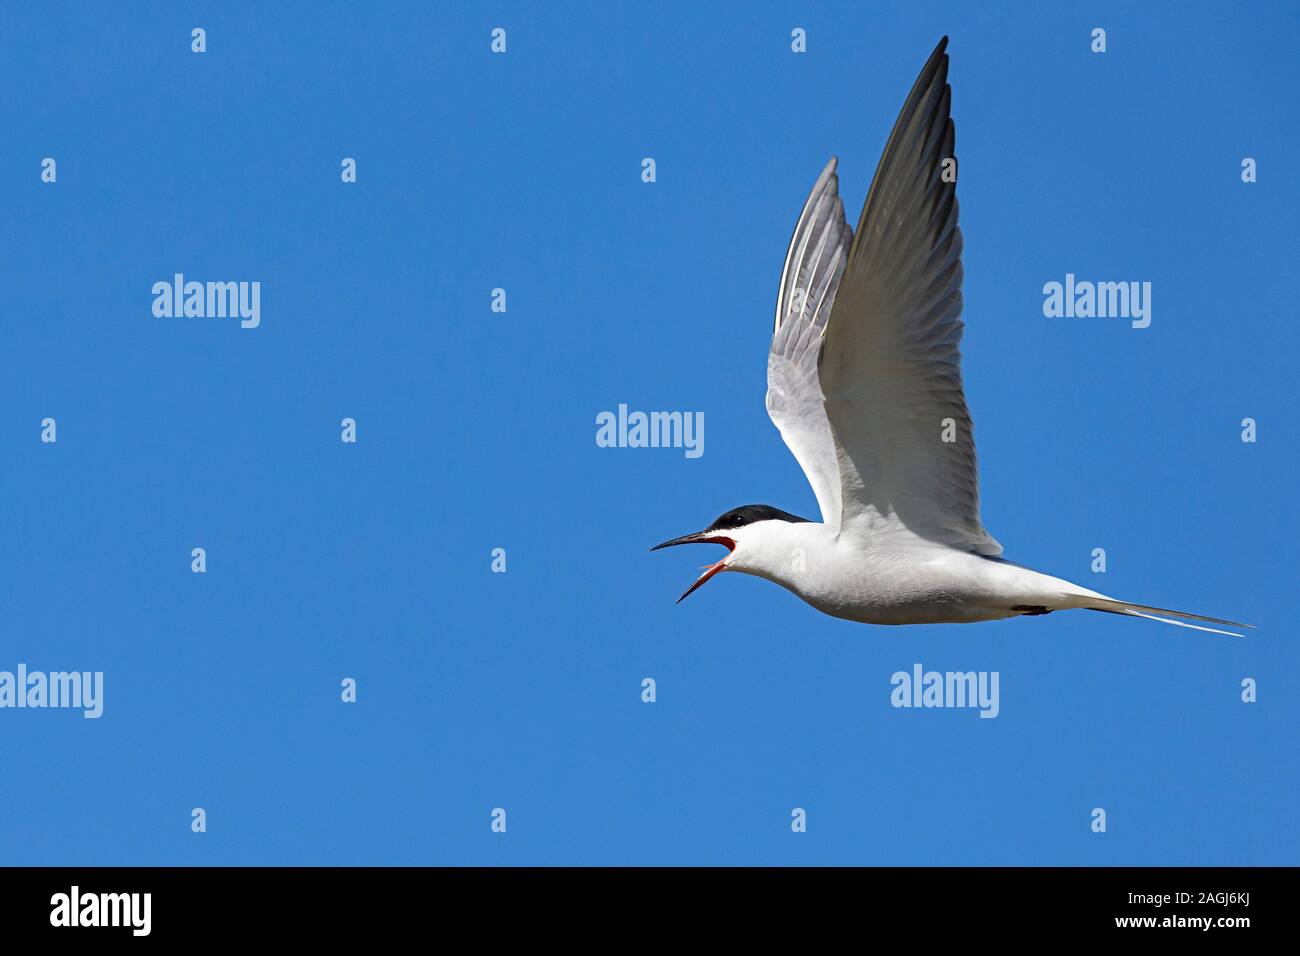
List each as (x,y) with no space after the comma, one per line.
(1099,603)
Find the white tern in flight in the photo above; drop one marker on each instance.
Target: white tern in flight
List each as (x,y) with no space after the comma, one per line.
(864,384)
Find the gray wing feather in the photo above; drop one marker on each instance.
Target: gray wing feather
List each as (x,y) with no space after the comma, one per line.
(813,266)
(891,366)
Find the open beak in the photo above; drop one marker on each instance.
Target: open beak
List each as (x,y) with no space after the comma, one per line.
(701,537)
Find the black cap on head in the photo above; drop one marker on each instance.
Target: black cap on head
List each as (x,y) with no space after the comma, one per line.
(716,533)
(748,514)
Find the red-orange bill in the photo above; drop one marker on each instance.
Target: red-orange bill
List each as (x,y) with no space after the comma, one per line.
(701,537)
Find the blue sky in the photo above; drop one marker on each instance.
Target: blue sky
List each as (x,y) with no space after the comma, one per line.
(476,430)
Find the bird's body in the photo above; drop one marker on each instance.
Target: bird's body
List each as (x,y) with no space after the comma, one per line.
(864,384)
(906,583)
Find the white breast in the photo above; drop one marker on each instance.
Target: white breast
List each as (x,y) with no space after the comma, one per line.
(892,583)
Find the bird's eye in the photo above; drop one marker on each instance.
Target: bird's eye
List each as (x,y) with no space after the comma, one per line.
(737,520)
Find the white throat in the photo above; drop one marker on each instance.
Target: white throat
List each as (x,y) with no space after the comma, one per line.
(788,553)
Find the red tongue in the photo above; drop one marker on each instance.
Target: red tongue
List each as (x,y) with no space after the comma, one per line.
(721,539)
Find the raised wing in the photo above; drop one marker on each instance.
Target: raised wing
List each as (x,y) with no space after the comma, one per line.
(890,368)
(813,266)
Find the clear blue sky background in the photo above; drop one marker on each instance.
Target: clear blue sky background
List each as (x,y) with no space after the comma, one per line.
(477,430)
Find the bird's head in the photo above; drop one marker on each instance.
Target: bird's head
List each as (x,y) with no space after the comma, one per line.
(749,534)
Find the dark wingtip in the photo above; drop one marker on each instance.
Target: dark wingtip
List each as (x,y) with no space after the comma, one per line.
(939,58)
